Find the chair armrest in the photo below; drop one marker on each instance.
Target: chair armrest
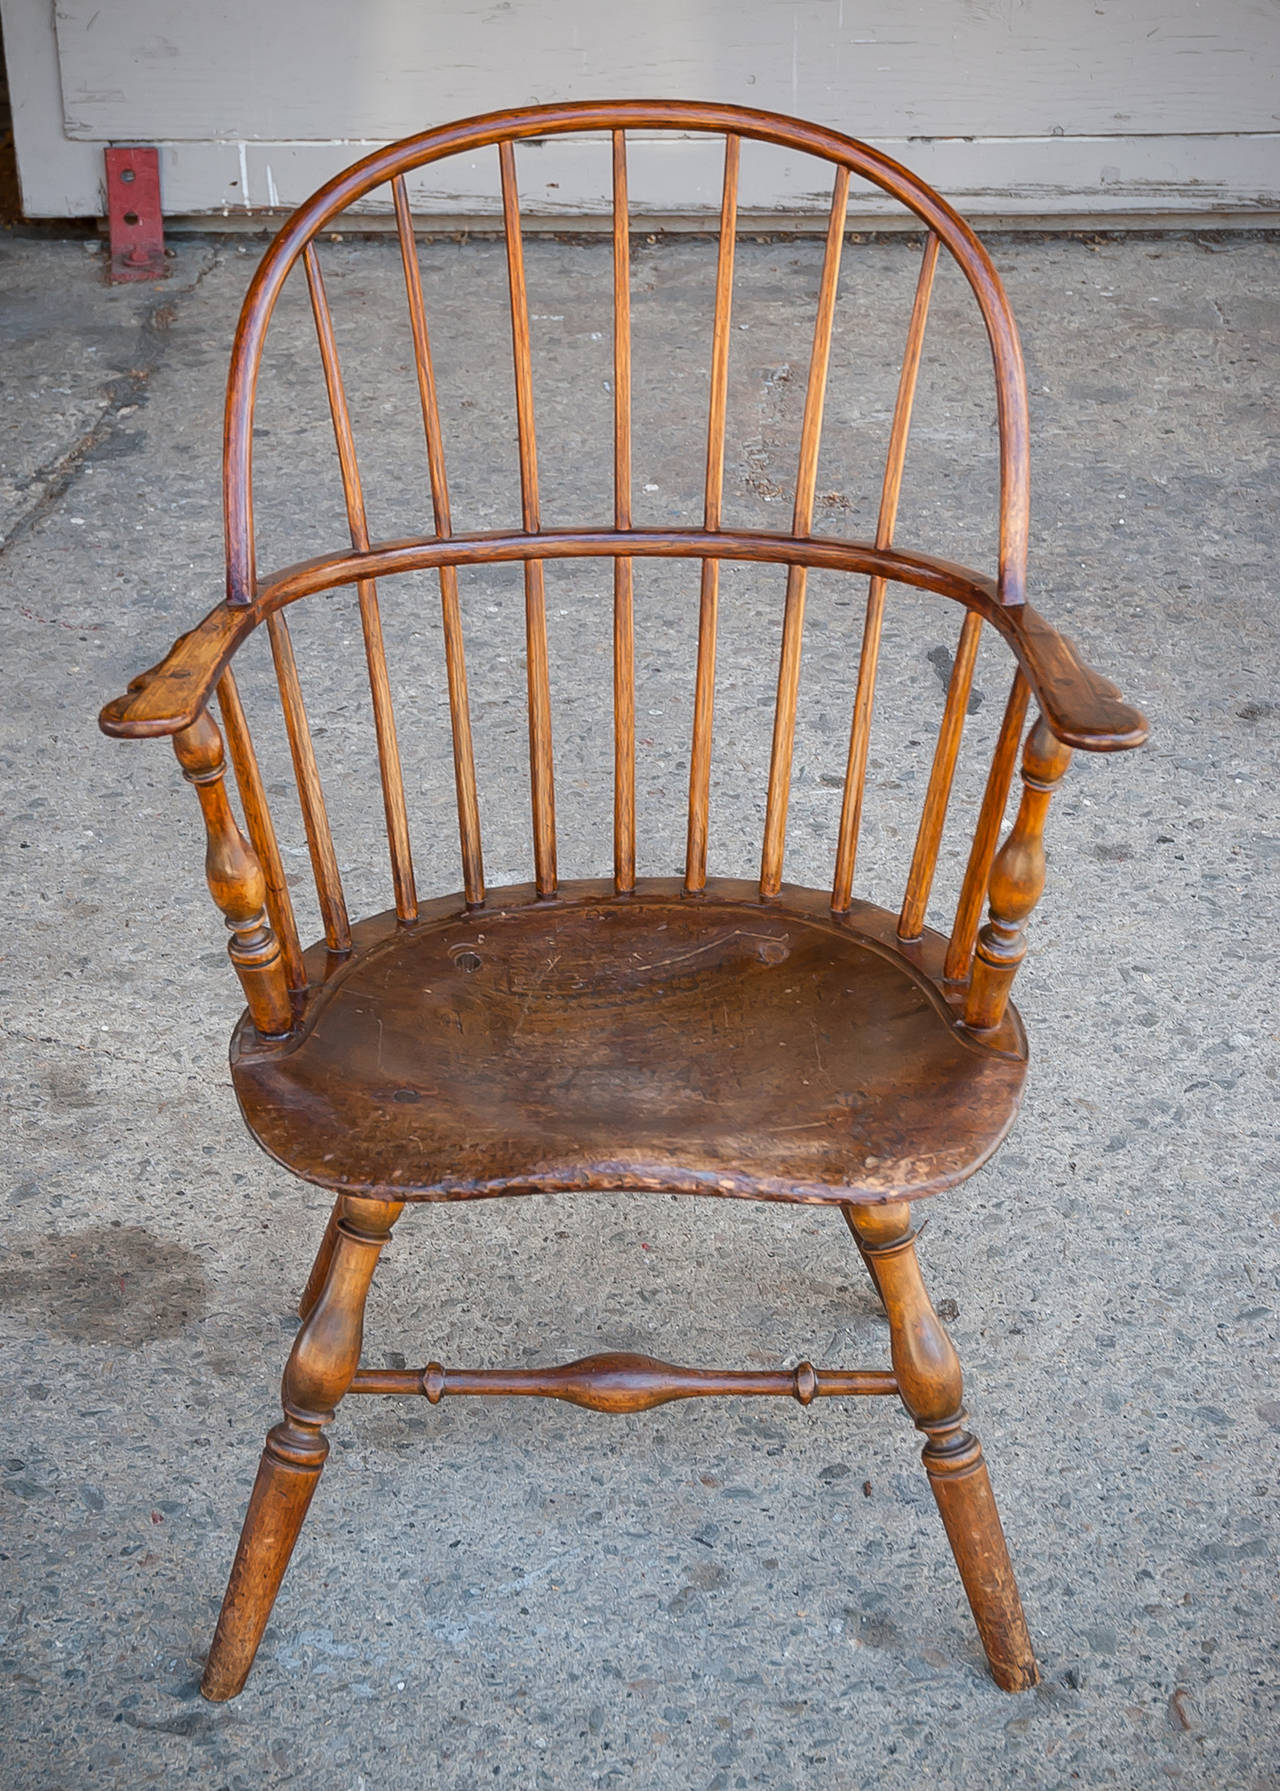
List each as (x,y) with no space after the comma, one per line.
(172,695)
(1081,707)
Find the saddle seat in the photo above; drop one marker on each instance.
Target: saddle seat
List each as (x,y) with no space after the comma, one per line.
(655,1041)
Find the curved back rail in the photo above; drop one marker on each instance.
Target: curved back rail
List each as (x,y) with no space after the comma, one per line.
(1078,707)
(505,129)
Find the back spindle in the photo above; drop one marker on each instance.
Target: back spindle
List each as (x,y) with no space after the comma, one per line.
(315,817)
(464,764)
(784,714)
(925,858)
(695,872)
(397,817)
(624,664)
(869,658)
(1017,881)
(541,774)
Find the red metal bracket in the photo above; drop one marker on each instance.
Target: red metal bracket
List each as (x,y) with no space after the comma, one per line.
(133,212)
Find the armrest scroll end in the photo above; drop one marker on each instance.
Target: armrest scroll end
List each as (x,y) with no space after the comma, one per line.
(171,695)
(1081,707)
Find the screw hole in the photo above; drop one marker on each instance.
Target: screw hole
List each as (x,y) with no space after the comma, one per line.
(127,174)
(131,217)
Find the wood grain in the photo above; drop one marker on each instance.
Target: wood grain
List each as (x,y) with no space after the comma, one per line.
(995,798)
(392,779)
(695,857)
(262,833)
(624,667)
(1083,708)
(924,859)
(864,698)
(729,1045)
(541,768)
(321,1366)
(931,1385)
(1017,881)
(621,1381)
(944,75)
(616,1035)
(236,883)
(315,816)
(508,127)
(464,765)
(784,714)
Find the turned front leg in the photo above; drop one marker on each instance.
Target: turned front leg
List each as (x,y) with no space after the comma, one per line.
(931,1387)
(321,1366)
(236,881)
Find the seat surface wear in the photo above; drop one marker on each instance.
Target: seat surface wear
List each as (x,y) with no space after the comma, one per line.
(716,1045)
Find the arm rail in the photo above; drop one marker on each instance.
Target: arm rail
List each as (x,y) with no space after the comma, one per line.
(1081,708)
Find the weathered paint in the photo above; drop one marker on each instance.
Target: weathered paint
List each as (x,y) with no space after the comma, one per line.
(1022,108)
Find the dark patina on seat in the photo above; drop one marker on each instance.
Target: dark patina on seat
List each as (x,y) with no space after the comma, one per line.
(653,1041)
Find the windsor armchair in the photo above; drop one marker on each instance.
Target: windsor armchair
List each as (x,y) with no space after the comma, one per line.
(631,1033)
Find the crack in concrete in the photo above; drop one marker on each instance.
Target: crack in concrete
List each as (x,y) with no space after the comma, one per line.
(93,1050)
(126,393)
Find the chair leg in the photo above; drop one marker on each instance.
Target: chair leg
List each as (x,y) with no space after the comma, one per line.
(868,1261)
(320,1267)
(324,1358)
(930,1384)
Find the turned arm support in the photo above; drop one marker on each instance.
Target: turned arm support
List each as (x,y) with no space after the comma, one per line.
(1017,881)
(235,880)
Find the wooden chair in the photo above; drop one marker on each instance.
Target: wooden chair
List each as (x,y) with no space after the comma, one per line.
(631,1033)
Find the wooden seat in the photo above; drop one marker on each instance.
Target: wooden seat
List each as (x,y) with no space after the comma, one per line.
(718,1045)
(691,1035)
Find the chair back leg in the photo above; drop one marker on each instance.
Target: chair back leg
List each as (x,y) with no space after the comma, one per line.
(322,1363)
(320,1267)
(868,1260)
